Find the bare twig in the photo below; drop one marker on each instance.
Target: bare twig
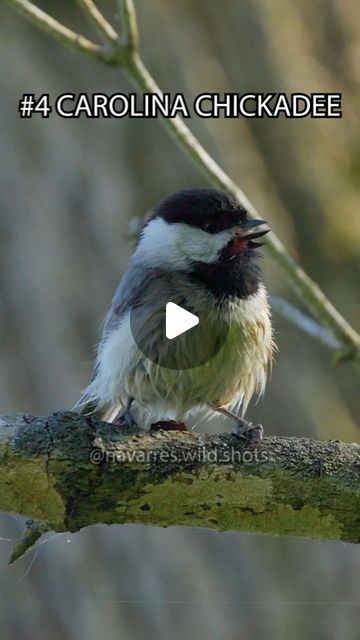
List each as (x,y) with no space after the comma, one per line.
(304,322)
(66,36)
(130,34)
(95,16)
(124,53)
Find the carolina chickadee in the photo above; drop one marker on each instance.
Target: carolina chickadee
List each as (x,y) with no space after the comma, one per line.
(201,245)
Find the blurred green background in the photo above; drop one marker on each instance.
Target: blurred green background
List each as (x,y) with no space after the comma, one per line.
(69,193)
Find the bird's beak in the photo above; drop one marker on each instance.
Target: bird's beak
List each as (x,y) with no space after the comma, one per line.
(250,230)
(245,236)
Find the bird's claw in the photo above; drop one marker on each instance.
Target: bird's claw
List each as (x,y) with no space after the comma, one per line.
(126,423)
(253,433)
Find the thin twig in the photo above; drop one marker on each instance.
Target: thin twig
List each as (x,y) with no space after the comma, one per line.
(124,54)
(95,16)
(304,322)
(129,29)
(66,36)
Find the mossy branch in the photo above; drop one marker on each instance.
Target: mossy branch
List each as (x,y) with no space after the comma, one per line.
(65,472)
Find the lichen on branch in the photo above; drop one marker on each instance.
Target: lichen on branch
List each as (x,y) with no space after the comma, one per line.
(66,472)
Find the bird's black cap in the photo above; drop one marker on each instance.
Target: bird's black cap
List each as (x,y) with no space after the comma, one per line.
(208,209)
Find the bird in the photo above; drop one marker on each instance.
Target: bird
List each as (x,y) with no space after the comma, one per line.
(199,247)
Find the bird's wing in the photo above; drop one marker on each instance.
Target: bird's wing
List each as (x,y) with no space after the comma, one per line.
(135,282)
(131,290)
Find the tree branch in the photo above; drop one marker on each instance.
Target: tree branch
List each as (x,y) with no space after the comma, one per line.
(102,26)
(66,36)
(130,34)
(304,322)
(123,53)
(65,472)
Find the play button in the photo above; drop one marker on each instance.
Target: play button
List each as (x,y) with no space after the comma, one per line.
(178,320)
(173,327)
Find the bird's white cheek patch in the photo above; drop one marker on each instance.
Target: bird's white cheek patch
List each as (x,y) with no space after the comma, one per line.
(176,245)
(199,246)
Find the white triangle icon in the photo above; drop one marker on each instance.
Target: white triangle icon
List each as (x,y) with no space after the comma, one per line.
(178,320)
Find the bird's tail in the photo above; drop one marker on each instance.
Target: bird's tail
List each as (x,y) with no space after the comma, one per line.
(86,404)
(90,404)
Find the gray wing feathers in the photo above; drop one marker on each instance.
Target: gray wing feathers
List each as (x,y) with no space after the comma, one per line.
(129,290)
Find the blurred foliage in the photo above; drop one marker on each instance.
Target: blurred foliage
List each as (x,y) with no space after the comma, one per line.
(69,190)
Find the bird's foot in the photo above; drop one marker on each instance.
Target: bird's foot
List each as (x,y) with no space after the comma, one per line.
(253,433)
(126,423)
(245,430)
(168,425)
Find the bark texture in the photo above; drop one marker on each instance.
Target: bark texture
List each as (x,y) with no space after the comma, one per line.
(65,472)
